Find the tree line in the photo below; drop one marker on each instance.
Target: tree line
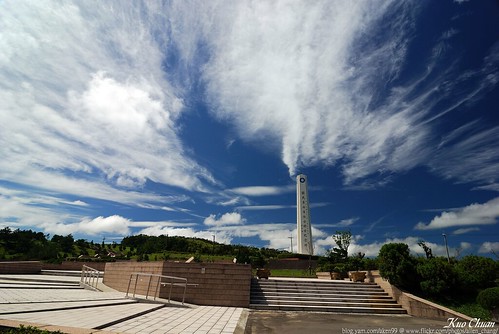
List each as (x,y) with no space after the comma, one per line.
(30,245)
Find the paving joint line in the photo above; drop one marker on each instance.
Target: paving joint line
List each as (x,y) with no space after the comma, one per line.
(129,317)
(61,301)
(67,308)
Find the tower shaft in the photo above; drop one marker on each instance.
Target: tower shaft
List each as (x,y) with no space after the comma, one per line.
(304,227)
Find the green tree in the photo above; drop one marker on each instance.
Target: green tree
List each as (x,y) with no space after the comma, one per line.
(489,298)
(398,266)
(342,240)
(476,272)
(438,277)
(66,243)
(426,249)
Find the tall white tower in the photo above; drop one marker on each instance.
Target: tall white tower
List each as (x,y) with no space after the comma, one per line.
(303,216)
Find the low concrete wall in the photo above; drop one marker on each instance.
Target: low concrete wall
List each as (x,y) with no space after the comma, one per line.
(417,306)
(20,267)
(218,284)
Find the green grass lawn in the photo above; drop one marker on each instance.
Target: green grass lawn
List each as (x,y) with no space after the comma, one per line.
(290,273)
(472,309)
(467,306)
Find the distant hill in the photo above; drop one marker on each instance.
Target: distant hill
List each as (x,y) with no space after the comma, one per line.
(30,245)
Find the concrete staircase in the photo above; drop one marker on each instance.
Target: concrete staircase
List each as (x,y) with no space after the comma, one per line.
(321,296)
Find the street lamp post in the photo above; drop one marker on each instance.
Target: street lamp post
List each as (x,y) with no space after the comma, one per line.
(446,247)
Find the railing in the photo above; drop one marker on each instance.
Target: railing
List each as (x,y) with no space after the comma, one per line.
(161,280)
(89,277)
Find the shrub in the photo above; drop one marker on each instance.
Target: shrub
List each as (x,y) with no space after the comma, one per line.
(369,264)
(30,330)
(341,268)
(325,266)
(488,298)
(398,266)
(476,272)
(437,277)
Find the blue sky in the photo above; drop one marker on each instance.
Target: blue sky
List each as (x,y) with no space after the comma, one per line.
(193,117)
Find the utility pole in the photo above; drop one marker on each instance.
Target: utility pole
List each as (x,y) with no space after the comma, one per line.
(446,247)
(291,238)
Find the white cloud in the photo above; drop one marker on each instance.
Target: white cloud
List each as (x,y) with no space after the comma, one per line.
(465,230)
(265,207)
(121,226)
(492,186)
(78,203)
(33,208)
(469,156)
(112,224)
(84,94)
(220,237)
(346,222)
(116,225)
(20,208)
(304,66)
(233,201)
(232,218)
(276,234)
(263,190)
(322,88)
(372,249)
(474,214)
(489,247)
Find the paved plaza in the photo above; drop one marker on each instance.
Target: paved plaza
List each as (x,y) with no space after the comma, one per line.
(55,303)
(277,322)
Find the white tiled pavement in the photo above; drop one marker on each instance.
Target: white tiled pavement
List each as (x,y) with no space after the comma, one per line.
(199,319)
(60,307)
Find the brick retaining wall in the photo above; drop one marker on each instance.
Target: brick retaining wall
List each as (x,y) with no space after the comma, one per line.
(414,305)
(20,267)
(117,274)
(218,284)
(297,264)
(73,265)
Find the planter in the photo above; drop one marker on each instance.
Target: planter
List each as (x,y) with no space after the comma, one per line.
(357,276)
(263,273)
(323,275)
(336,276)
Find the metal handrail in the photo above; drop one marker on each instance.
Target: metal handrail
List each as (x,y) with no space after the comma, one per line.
(169,280)
(89,277)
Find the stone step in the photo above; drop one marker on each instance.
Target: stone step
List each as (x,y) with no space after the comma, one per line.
(319,291)
(346,297)
(340,309)
(383,295)
(350,285)
(320,299)
(309,283)
(330,304)
(70,273)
